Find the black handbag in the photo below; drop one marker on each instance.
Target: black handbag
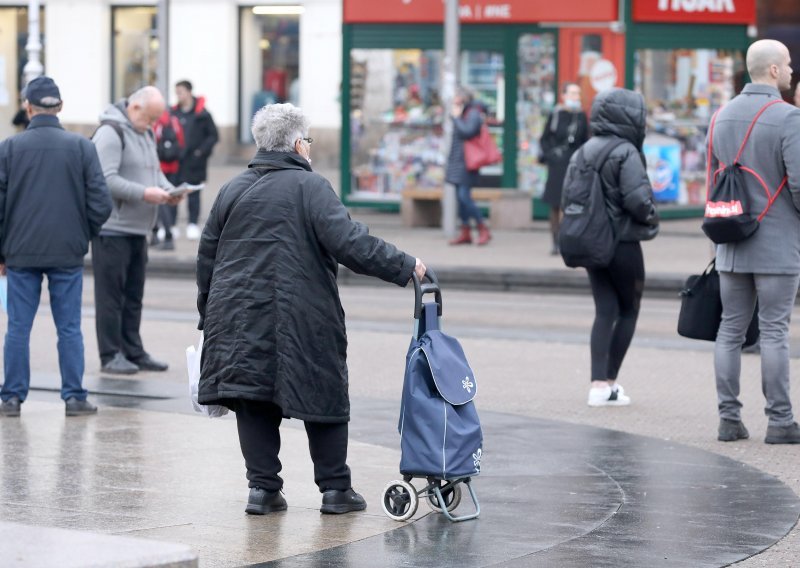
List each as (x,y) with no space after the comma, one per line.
(701,308)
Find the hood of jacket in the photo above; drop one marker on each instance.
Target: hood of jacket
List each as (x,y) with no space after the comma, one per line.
(619,112)
(117,112)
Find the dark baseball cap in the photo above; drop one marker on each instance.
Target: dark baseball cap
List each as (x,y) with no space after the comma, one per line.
(42,92)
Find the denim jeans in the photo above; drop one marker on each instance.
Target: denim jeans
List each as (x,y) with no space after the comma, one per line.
(24,291)
(466,206)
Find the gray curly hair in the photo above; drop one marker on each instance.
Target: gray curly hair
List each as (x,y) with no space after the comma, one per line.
(277,127)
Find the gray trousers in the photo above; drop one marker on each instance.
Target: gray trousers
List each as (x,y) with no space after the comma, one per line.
(776,294)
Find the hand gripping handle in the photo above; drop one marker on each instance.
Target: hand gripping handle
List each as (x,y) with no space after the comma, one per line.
(430,287)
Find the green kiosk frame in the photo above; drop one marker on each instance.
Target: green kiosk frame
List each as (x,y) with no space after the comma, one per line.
(697,32)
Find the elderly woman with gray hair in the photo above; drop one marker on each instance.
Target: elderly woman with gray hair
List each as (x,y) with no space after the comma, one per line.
(275,340)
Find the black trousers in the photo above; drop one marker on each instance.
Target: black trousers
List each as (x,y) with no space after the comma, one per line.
(260,440)
(119,265)
(617,291)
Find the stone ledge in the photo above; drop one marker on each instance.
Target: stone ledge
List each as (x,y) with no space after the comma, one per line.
(40,547)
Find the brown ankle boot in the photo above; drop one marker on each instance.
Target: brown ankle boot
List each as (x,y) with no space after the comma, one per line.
(464,238)
(484,236)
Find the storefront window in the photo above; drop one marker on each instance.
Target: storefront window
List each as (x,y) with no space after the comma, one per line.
(682,89)
(536,97)
(396,117)
(270,61)
(135,49)
(13,57)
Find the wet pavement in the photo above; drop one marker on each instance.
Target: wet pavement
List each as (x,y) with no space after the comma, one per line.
(552,493)
(562,484)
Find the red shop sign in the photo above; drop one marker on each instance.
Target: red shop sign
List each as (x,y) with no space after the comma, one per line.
(695,11)
(479,11)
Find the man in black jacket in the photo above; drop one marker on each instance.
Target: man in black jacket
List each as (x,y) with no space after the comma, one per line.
(53,200)
(200,136)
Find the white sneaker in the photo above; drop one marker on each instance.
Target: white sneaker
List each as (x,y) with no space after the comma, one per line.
(161,233)
(176,232)
(608,397)
(192,232)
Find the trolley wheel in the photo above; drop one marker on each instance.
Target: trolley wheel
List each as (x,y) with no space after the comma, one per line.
(452,499)
(399,500)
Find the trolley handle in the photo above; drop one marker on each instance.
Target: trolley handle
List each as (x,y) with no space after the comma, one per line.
(430,287)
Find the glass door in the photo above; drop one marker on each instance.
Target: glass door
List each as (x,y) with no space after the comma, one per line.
(135,49)
(270,60)
(536,97)
(593,58)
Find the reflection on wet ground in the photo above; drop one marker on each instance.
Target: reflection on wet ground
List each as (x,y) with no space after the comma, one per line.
(552,494)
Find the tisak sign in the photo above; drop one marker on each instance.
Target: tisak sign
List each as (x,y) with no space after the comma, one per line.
(741,12)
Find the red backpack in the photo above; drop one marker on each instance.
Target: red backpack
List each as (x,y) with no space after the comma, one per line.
(169,142)
(728,217)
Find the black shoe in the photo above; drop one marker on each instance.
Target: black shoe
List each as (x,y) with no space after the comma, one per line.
(337,502)
(147,363)
(783,434)
(261,502)
(119,365)
(166,245)
(732,430)
(75,407)
(11,407)
(154,240)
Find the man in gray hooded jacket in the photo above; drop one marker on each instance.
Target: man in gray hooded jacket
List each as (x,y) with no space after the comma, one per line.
(127,151)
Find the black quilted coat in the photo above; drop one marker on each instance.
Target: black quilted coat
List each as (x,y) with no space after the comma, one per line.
(629,196)
(267,294)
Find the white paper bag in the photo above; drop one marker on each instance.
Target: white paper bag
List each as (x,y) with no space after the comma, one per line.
(193,366)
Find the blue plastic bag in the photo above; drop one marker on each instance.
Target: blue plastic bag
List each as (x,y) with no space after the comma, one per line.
(4,293)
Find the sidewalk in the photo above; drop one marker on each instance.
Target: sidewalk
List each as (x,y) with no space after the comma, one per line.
(514,260)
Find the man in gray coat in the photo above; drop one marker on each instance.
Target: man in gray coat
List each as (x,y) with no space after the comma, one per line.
(127,151)
(766,266)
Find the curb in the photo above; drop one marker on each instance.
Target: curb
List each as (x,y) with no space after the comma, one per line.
(560,281)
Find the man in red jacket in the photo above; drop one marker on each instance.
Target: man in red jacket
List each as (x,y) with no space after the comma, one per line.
(200,136)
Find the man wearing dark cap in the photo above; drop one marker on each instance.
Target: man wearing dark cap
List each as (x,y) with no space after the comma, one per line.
(53,200)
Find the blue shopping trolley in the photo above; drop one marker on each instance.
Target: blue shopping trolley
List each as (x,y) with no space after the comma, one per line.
(440,433)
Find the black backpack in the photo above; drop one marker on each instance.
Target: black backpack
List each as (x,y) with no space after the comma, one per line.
(586,235)
(167,143)
(728,216)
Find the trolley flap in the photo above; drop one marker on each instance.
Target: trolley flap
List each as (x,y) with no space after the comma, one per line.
(451,372)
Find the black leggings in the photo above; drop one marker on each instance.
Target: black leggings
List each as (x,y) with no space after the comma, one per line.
(617,292)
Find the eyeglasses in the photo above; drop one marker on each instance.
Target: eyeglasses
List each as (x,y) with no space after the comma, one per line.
(309,139)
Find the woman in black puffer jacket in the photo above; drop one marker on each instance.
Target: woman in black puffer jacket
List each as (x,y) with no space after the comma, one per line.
(617,289)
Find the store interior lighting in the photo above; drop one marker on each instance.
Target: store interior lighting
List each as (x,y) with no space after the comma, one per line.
(278,10)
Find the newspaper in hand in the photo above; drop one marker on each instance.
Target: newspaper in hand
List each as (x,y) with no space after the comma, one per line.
(184,189)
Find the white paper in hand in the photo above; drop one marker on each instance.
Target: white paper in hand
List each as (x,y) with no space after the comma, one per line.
(184,189)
